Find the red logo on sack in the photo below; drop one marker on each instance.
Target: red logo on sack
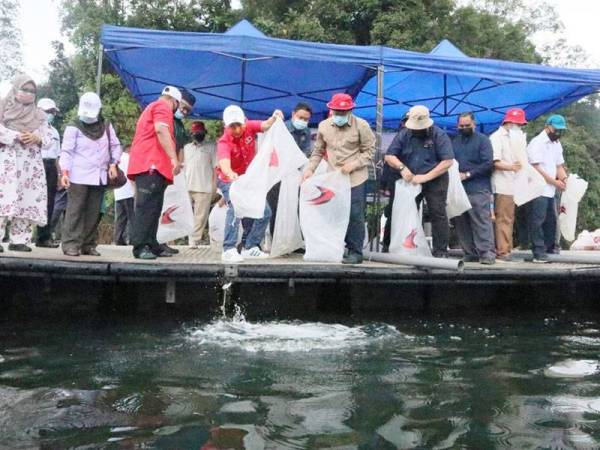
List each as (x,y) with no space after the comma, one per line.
(409,241)
(166,218)
(563,210)
(325,196)
(274,159)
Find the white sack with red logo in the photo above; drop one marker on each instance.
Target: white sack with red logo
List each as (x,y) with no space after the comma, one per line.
(587,241)
(457,200)
(287,236)
(569,205)
(278,155)
(177,217)
(324,215)
(216,227)
(407,236)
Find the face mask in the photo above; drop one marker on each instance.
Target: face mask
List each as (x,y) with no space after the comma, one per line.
(199,137)
(554,135)
(466,132)
(419,133)
(340,121)
(88,120)
(178,115)
(25,97)
(50,117)
(299,124)
(516,132)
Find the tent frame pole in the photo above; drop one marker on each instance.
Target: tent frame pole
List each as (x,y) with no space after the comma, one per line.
(99,69)
(374,243)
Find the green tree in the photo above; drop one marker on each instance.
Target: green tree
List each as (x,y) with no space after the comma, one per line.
(10,40)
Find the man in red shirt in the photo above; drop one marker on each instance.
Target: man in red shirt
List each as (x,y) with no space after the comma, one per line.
(152,165)
(235,151)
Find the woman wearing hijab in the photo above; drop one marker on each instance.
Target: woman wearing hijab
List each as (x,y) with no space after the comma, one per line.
(23,129)
(89,157)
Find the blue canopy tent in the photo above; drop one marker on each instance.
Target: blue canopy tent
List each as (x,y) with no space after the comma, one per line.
(241,66)
(259,73)
(452,83)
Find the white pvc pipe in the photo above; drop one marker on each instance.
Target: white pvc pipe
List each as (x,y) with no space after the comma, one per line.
(417,261)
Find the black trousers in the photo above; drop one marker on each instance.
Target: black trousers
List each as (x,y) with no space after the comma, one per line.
(435,193)
(45,233)
(82,216)
(273,200)
(387,212)
(150,192)
(124,212)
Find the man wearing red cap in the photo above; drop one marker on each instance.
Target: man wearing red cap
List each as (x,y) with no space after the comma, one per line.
(350,145)
(199,163)
(505,141)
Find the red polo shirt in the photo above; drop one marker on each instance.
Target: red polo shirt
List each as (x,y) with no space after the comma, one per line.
(146,152)
(240,151)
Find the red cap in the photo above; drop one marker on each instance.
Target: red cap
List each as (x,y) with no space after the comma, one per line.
(198,126)
(515,115)
(341,102)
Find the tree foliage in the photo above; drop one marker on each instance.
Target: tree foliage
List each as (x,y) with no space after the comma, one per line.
(11,57)
(500,29)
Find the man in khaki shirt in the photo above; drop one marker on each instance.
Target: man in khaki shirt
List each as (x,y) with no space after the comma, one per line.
(349,144)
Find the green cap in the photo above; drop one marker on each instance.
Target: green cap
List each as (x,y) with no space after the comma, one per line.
(557,121)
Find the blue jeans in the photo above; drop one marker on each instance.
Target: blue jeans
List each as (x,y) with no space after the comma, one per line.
(255,227)
(355,234)
(542,225)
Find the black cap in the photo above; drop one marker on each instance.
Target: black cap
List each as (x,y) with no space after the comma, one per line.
(188,97)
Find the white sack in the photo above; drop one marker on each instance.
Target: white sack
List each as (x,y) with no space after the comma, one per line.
(177,216)
(287,236)
(324,215)
(457,201)
(569,205)
(407,235)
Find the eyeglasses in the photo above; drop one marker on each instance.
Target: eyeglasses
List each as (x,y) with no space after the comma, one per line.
(185,110)
(462,127)
(28,91)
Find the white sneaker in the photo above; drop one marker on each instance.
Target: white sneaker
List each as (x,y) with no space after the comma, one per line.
(231,256)
(254,252)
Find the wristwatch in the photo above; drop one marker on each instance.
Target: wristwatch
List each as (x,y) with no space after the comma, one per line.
(401,167)
(468,174)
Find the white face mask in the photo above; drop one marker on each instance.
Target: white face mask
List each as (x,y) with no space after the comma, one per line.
(88,120)
(516,132)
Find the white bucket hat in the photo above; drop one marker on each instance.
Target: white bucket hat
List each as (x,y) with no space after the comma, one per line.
(418,118)
(233,114)
(89,105)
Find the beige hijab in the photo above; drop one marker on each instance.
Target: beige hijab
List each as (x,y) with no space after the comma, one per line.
(17,116)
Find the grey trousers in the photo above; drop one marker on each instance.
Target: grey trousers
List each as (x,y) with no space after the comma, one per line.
(475,229)
(81,218)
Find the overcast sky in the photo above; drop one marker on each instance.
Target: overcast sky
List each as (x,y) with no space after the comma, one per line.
(40,24)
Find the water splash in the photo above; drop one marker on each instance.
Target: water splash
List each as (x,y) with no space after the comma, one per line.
(573,368)
(277,336)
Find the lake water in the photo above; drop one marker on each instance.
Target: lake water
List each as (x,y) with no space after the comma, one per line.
(235,384)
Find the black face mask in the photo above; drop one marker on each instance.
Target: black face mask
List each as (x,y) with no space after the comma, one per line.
(199,137)
(420,133)
(554,136)
(466,132)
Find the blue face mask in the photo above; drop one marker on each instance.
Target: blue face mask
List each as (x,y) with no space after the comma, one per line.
(340,121)
(50,117)
(88,120)
(178,115)
(299,124)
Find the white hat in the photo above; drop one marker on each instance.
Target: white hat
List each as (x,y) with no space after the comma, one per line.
(47,104)
(172,92)
(89,105)
(233,114)
(418,118)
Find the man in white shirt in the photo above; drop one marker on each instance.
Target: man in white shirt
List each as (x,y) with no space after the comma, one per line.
(545,153)
(49,155)
(124,204)
(506,165)
(199,163)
